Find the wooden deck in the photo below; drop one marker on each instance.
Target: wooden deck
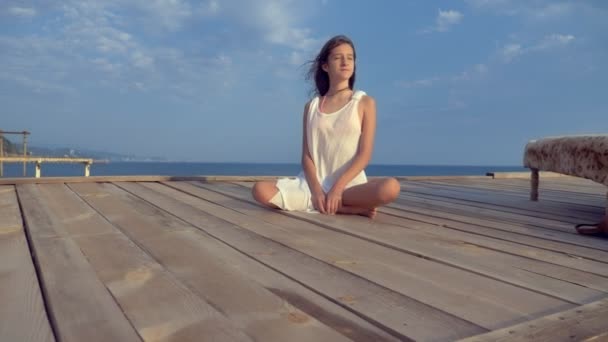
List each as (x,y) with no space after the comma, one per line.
(109,260)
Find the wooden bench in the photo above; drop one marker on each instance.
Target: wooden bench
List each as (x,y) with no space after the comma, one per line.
(583,156)
(39,160)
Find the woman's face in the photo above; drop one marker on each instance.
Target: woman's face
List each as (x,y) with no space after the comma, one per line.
(340,63)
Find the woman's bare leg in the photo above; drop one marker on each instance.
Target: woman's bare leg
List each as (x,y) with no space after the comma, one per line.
(371,213)
(264,191)
(363,199)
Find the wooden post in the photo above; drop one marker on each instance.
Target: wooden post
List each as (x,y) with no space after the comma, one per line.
(87,169)
(1,154)
(38,163)
(24,152)
(534,185)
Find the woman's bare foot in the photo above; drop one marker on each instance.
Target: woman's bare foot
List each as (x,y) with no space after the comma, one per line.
(371,213)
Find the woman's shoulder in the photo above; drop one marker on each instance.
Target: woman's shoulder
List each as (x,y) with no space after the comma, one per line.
(365,99)
(311,102)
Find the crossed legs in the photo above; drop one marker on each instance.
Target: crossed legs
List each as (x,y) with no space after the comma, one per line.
(360,199)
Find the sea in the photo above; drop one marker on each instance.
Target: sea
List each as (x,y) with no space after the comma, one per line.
(238,169)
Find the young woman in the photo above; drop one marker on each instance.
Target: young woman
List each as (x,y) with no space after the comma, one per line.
(337,142)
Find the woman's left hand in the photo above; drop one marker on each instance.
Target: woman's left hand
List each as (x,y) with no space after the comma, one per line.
(333,200)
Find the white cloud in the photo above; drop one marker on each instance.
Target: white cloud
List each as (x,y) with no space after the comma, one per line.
(107,44)
(171,14)
(554,40)
(553,10)
(142,61)
(446,19)
(107,66)
(210,8)
(536,10)
(470,74)
(475,72)
(295,58)
(488,3)
(24,12)
(511,51)
(279,24)
(420,83)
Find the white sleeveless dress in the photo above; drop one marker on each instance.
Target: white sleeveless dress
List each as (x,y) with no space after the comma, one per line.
(333,142)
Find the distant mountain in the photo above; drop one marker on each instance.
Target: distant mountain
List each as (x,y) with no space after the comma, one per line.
(40,151)
(8,147)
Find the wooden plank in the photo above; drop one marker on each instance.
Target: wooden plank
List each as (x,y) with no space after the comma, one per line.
(568,182)
(428,188)
(521,203)
(431,208)
(489,211)
(420,277)
(525,174)
(575,198)
(104,179)
(207,178)
(557,257)
(206,249)
(586,259)
(79,306)
(22,313)
(460,254)
(383,307)
(565,184)
(257,311)
(554,190)
(556,193)
(567,242)
(585,322)
(158,305)
(570,245)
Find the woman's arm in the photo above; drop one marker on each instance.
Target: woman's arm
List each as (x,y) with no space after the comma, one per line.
(363,156)
(310,170)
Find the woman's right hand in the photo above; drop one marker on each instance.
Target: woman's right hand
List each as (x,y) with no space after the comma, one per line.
(318,201)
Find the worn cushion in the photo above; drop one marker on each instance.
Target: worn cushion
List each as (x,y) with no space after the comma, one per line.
(582,156)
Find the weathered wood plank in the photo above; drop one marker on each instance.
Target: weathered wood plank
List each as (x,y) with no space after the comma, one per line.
(104,179)
(580,204)
(22,313)
(487,211)
(158,178)
(502,199)
(420,278)
(526,174)
(570,245)
(523,233)
(402,315)
(443,209)
(174,244)
(575,184)
(538,276)
(587,322)
(159,306)
(80,307)
(574,200)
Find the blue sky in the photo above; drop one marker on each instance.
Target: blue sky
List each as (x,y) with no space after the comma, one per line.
(456,82)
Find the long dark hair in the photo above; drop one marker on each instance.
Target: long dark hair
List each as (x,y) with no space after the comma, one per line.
(316,72)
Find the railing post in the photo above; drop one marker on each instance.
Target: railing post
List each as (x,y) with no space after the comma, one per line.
(38,163)
(534,185)
(1,154)
(24,151)
(87,169)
